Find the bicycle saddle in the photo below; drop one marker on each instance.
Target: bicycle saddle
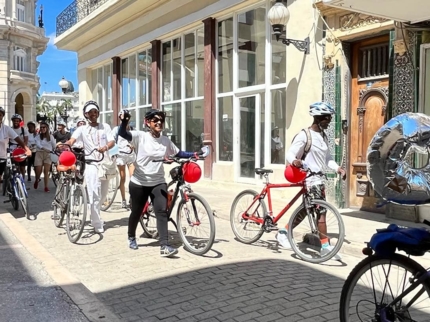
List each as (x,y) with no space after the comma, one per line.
(413,241)
(63,168)
(262,171)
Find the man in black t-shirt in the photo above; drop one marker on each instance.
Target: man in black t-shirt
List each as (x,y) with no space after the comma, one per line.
(61,135)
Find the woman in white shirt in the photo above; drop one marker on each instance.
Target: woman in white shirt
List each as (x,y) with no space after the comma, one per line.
(45,143)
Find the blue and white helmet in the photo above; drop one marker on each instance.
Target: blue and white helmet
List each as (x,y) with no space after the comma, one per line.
(321,108)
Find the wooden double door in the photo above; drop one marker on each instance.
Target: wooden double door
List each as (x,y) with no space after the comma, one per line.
(369,100)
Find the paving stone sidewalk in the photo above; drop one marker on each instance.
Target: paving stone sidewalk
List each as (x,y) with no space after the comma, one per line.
(233,282)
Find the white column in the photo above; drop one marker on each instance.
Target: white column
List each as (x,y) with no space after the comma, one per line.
(13,16)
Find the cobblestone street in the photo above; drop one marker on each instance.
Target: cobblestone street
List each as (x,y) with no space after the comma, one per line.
(232,282)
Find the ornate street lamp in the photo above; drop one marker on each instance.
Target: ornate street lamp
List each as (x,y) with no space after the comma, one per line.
(278,17)
(64,84)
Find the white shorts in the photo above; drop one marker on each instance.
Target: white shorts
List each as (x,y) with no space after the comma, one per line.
(125,159)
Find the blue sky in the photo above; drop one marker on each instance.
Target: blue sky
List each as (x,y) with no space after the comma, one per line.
(55,63)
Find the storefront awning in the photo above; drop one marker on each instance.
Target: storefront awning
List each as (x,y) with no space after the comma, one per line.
(411,11)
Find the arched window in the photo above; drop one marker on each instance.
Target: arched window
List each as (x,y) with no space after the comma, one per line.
(20,57)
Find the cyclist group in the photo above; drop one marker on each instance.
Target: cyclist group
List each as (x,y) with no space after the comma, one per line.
(147,177)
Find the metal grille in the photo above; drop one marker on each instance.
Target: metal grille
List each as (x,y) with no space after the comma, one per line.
(374,61)
(75,12)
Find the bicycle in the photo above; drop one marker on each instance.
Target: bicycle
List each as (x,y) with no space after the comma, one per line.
(387,270)
(53,172)
(70,199)
(113,188)
(188,219)
(14,185)
(254,219)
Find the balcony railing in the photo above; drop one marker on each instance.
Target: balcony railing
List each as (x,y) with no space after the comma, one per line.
(75,12)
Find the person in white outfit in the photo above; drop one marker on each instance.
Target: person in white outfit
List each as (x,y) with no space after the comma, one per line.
(126,157)
(45,144)
(97,136)
(32,133)
(316,159)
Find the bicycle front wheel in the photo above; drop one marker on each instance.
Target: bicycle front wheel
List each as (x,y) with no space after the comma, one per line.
(77,213)
(305,233)
(375,282)
(244,214)
(22,197)
(196,224)
(55,175)
(112,191)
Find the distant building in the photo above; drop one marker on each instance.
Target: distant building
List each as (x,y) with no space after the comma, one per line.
(54,98)
(22,41)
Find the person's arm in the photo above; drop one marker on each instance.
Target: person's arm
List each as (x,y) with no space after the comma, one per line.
(53,144)
(122,131)
(75,136)
(297,148)
(38,143)
(12,134)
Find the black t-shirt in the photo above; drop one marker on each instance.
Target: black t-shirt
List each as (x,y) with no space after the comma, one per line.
(59,137)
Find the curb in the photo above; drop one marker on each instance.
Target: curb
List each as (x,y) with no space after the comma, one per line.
(87,302)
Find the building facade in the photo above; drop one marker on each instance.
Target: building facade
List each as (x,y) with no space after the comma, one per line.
(57,99)
(22,40)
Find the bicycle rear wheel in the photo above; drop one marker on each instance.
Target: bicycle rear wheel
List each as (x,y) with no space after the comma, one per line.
(244,226)
(76,213)
(55,175)
(22,196)
(112,191)
(148,221)
(196,224)
(375,282)
(305,236)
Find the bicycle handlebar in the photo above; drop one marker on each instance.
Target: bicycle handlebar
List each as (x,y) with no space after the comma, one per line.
(72,149)
(172,159)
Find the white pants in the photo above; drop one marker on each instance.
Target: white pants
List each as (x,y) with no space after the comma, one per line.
(97,192)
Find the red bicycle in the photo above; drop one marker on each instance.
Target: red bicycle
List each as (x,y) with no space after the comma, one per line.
(195,222)
(252,220)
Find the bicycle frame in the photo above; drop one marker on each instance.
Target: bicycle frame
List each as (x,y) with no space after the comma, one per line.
(399,298)
(14,173)
(266,192)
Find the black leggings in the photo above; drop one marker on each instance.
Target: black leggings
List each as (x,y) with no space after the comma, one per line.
(30,163)
(139,196)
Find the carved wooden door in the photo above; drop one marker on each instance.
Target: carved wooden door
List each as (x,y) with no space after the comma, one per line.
(369,95)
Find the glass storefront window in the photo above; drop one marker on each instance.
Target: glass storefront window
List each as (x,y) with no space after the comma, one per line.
(201,61)
(124,83)
(133,119)
(166,69)
(94,82)
(132,80)
(173,124)
(108,118)
(251,48)
(194,125)
(225,56)
(279,64)
(225,128)
(177,63)
(142,68)
(190,65)
(149,75)
(107,84)
(278,126)
(100,86)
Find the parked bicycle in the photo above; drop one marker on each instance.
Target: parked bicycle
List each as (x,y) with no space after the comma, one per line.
(194,223)
(387,286)
(13,183)
(53,172)
(70,199)
(249,219)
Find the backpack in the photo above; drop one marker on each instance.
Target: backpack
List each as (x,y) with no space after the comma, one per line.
(308,144)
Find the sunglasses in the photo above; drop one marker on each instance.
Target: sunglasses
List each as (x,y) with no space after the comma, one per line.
(43,127)
(157,119)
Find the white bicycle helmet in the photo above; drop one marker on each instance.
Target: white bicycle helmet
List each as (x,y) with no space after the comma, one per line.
(16,116)
(321,108)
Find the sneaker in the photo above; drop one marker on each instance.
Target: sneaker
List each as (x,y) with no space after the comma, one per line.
(124,205)
(168,251)
(36,184)
(99,230)
(46,189)
(282,238)
(132,243)
(327,249)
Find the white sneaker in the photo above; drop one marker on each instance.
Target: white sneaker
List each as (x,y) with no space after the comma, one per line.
(99,230)
(282,238)
(328,249)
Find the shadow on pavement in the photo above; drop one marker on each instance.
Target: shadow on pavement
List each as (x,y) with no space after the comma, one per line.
(261,290)
(26,291)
